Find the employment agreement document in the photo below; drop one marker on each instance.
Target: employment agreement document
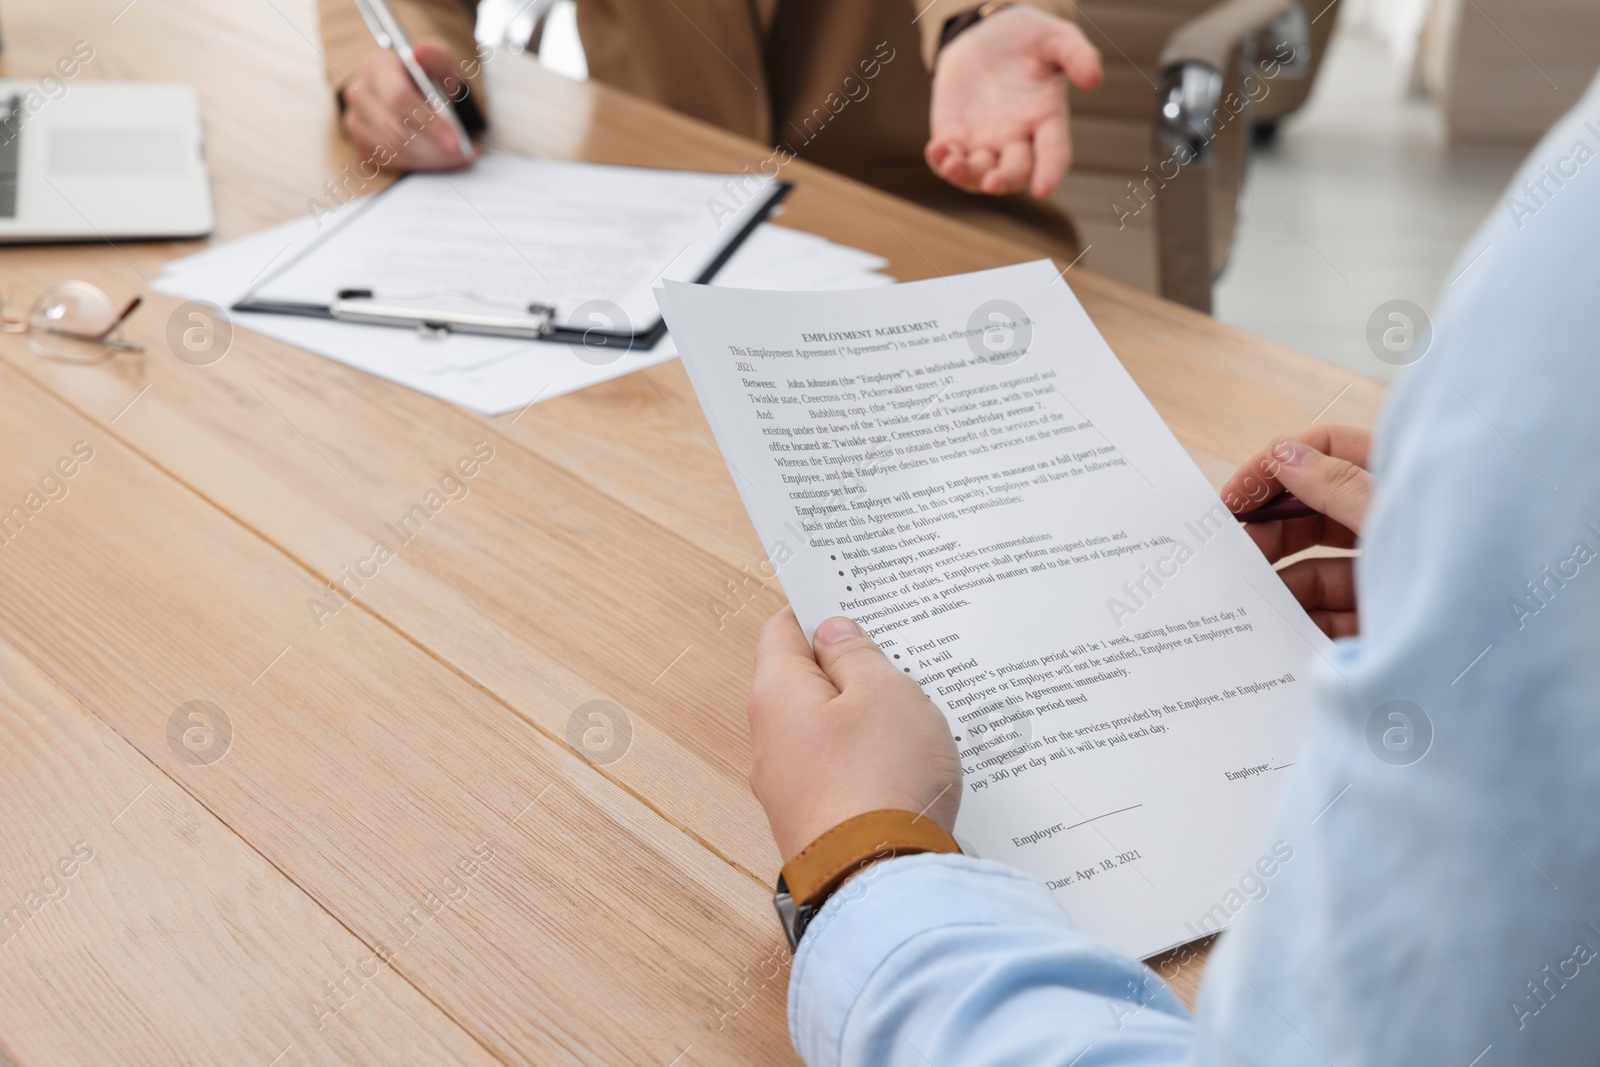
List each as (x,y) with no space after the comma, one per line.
(964,467)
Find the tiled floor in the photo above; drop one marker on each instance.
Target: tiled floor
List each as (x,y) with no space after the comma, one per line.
(1358,202)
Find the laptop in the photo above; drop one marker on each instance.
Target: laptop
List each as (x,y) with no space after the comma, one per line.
(104,160)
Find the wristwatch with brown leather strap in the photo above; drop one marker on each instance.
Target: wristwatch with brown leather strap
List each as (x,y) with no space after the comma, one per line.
(959,24)
(824,865)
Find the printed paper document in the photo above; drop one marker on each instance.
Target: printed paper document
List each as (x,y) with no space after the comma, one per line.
(511,231)
(964,467)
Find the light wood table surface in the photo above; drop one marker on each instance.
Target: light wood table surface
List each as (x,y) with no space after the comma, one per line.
(400,858)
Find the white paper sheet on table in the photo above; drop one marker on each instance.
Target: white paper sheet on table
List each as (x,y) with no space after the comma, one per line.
(487,374)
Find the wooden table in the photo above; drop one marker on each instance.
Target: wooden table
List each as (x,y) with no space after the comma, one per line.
(400,858)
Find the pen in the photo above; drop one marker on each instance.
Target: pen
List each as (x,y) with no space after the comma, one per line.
(391,36)
(1282,506)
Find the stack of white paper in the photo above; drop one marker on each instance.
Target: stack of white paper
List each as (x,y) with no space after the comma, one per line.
(488,374)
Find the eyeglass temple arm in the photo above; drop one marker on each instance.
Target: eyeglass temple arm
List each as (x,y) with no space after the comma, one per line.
(133,305)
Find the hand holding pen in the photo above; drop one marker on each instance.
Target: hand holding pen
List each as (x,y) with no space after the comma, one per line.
(1303,491)
(388,120)
(407,108)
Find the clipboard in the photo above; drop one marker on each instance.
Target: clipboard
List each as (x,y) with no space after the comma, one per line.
(448,312)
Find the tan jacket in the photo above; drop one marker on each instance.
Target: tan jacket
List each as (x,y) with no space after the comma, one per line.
(841,83)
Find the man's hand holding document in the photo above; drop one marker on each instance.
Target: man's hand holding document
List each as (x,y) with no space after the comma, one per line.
(964,468)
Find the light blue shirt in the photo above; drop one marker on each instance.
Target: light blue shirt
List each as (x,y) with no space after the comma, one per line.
(1442,911)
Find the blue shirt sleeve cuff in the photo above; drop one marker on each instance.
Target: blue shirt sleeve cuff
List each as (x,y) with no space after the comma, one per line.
(893,903)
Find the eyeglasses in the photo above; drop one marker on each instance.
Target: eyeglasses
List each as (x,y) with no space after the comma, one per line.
(74,322)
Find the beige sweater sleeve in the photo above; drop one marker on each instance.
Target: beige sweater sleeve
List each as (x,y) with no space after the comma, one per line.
(935,13)
(347,44)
